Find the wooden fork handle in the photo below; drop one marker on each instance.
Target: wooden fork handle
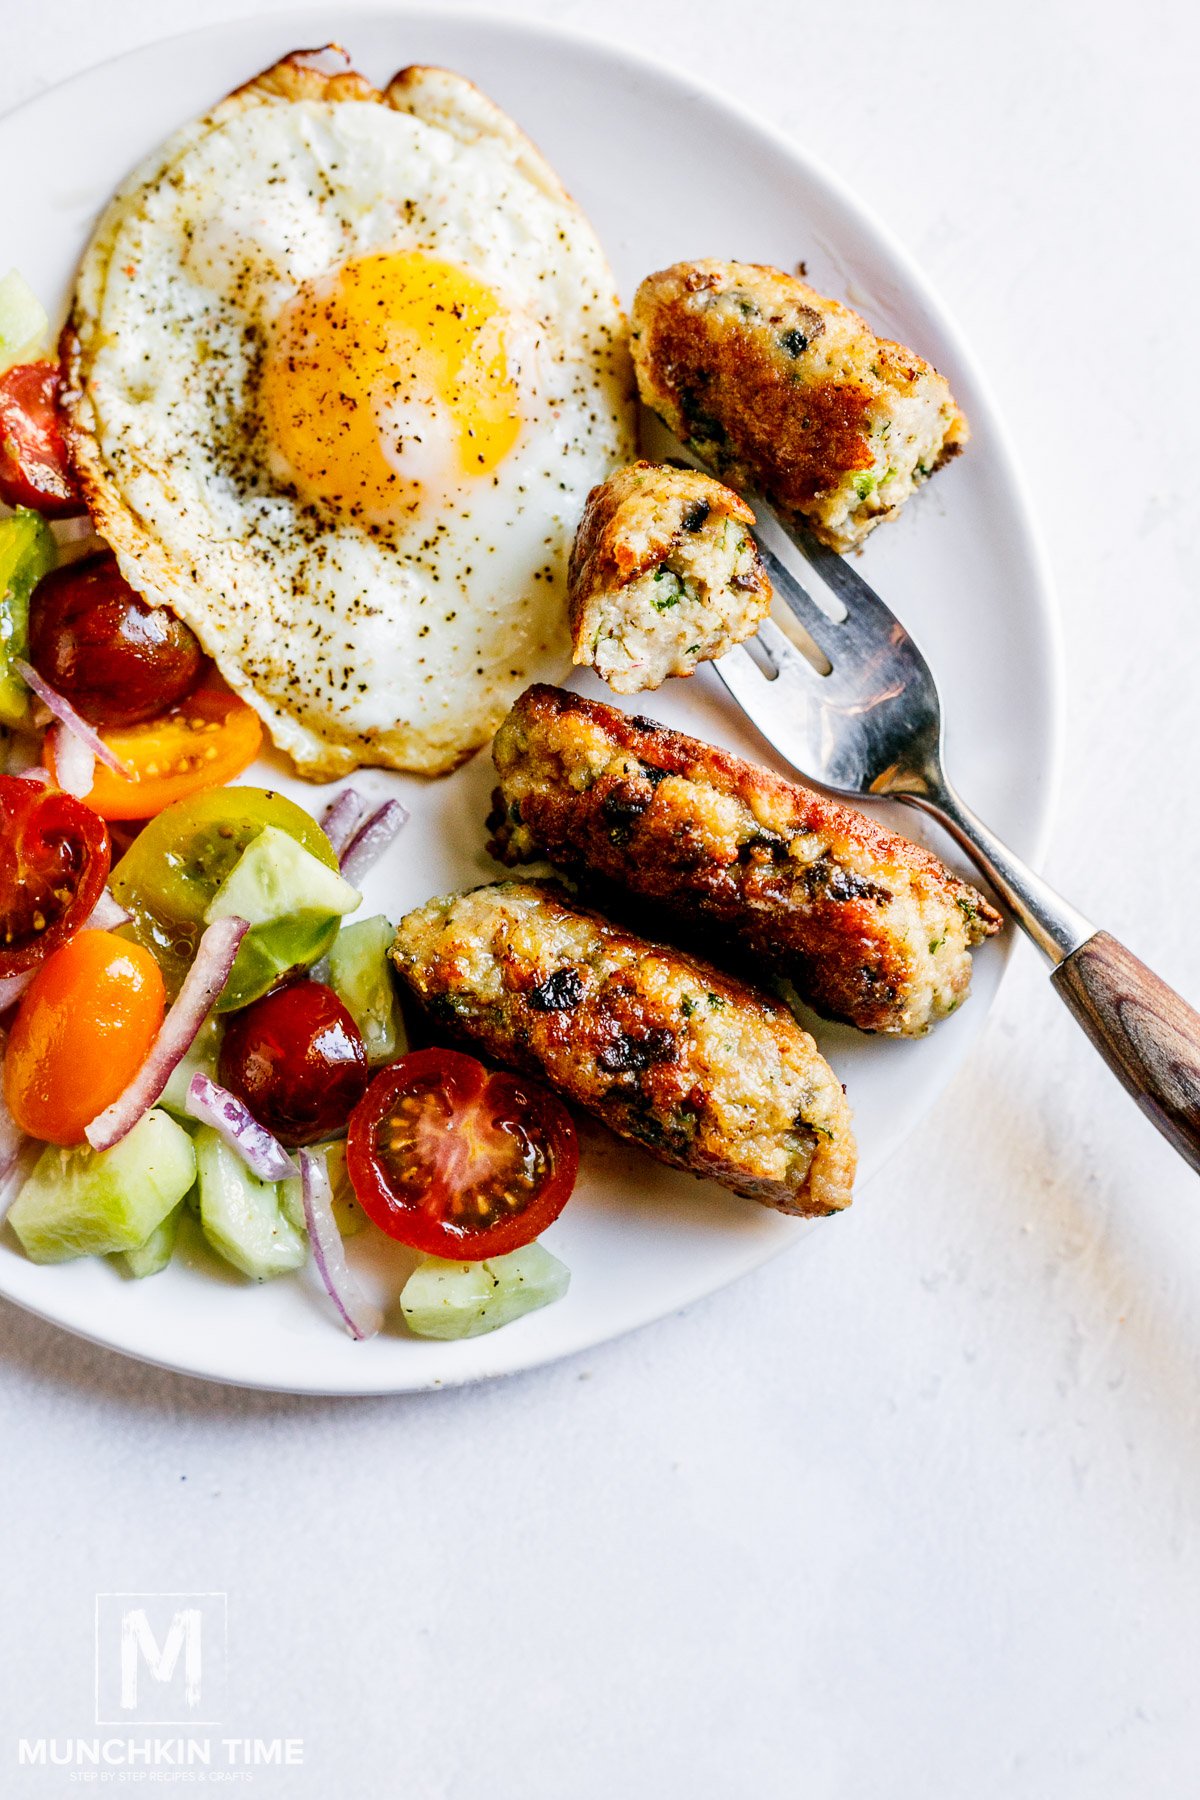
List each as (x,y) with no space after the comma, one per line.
(1147,1035)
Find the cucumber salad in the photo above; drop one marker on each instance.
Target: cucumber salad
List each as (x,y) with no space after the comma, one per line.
(198,1030)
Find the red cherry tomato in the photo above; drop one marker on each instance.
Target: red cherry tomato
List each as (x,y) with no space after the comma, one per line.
(117,660)
(54,857)
(458,1161)
(34,466)
(296,1058)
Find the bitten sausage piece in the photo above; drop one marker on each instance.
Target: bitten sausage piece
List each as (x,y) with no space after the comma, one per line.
(700,1070)
(868,927)
(664,575)
(788,392)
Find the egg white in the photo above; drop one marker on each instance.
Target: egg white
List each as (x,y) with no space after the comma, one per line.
(403,643)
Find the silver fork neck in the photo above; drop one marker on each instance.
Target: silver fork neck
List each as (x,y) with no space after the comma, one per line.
(1055,926)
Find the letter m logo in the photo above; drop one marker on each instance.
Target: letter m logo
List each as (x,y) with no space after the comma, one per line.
(138,1646)
(160,1658)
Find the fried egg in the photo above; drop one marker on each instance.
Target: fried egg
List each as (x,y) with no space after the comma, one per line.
(342,366)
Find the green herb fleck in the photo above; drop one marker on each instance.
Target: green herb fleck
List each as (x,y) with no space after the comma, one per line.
(672,595)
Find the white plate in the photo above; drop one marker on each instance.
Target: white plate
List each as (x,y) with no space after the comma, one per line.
(666,170)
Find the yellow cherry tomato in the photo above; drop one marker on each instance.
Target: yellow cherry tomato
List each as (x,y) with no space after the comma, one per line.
(85,1026)
(208,739)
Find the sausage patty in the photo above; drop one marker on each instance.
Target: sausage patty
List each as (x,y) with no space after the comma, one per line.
(700,1070)
(868,927)
(786,391)
(664,575)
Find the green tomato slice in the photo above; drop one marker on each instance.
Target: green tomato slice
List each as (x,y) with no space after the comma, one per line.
(27,552)
(169,875)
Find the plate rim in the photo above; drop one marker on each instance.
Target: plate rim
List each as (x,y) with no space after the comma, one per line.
(1046,614)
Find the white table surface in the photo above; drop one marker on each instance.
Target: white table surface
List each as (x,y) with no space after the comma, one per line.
(911,1512)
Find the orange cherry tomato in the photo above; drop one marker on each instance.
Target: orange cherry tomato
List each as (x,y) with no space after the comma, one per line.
(207,740)
(85,1026)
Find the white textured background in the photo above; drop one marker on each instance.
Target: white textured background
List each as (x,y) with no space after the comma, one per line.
(911,1513)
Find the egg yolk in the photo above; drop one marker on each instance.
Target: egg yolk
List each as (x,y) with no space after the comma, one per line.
(391,380)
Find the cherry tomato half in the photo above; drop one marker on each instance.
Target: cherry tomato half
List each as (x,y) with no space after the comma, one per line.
(117,660)
(34,466)
(85,1026)
(296,1058)
(173,868)
(204,743)
(54,857)
(459,1161)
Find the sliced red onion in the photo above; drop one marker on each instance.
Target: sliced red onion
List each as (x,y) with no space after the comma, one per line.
(215,956)
(13,986)
(372,839)
(214,1105)
(65,713)
(342,817)
(74,762)
(35,774)
(107,914)
(362,1318)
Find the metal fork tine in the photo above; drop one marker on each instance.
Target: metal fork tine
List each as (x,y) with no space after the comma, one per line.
(856,595)
(818,624)
(740,673)
(784,711)
(841,579)
(783,652)
(874,720)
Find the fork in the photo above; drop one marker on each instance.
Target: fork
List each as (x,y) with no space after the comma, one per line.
(859,713)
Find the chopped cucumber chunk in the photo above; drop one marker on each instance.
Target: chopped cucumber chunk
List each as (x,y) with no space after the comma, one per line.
(201,1059)
(241,1216)
(154,1255)
(362,977)
(465,1299)
(275,878)
(292,1204)
(23,320)
(83,1202)
(348,1215)
(27,552)
(279,887)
